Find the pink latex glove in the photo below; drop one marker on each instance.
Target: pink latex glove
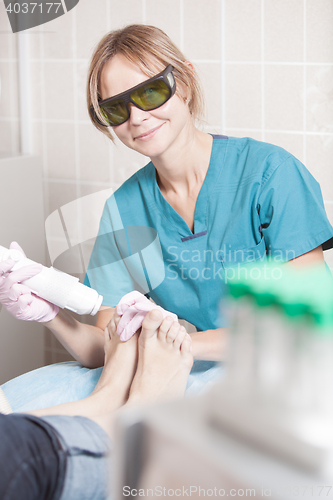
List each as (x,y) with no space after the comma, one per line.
(18,298)
(133,308)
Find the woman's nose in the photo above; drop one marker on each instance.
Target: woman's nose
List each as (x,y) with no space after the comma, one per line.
(137,115)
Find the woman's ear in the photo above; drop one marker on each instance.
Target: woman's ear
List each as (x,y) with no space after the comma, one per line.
(186,92)
(189,64)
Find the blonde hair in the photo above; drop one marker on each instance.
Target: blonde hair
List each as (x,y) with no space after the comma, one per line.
(143,45)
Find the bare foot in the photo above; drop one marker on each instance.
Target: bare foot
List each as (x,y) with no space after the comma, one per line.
(165,360)
(112,389)
(119,365)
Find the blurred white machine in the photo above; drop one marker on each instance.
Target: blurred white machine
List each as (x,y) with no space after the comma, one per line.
(185,449)
(266,429)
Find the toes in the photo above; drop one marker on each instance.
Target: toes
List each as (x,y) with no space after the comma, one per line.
(151,323)
(180,337)
(186,346)
(173,332)
(164,328)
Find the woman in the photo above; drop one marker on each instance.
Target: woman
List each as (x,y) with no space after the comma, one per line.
(208,198)
(208,202)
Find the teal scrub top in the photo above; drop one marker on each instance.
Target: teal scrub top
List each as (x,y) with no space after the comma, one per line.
(257,200)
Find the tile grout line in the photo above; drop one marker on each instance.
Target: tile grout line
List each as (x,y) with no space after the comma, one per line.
(222,62)
(76,125)
(201,61)
(144,13)
(77,134)
(46,191)
(43,121)
(210,61)
(76,129)
(267,63)
(276,131)
(262,71)
(181,24)
(11,94)
(108,15)
(59,180)
(206,61)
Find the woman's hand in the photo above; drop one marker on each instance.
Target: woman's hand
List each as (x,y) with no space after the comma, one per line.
(133,308)
(17,298)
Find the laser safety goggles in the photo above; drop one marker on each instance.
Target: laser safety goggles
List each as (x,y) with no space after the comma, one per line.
(148,95)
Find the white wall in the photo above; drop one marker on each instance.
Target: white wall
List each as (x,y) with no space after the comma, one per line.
(22,220)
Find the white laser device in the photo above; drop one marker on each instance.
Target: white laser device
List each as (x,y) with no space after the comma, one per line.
(59,288)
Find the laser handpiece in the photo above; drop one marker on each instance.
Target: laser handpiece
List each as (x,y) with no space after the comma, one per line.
(59,288)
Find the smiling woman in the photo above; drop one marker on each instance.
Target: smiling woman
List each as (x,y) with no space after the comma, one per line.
(140,125)
(201,193)
(237,200)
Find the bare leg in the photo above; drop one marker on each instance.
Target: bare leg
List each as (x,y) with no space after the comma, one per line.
(112,389)
(165,361)
(119,364)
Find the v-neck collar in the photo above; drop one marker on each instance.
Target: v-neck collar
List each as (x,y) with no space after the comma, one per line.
(200,213)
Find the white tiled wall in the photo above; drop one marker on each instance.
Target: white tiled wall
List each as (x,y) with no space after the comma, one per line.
(9,109)
(266,67)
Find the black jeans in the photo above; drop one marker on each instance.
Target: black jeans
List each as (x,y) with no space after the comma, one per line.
(32,463)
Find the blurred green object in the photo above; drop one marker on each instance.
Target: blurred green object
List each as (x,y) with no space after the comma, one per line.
(299,293)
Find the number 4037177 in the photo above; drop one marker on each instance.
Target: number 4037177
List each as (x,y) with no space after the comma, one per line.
(32,7)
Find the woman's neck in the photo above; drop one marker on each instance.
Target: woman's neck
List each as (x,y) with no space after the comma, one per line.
(184,167)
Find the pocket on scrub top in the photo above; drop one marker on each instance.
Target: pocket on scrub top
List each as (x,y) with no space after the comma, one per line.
(243,256)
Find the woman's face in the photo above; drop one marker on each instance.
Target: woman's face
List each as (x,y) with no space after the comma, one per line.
(151,133)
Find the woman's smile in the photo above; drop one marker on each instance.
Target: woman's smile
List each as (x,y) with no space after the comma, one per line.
(146,136)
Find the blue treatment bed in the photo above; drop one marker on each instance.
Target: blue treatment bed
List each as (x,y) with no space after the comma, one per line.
(69,381)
